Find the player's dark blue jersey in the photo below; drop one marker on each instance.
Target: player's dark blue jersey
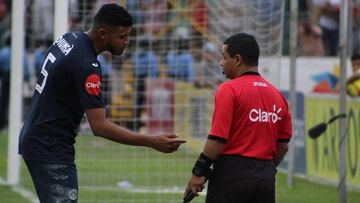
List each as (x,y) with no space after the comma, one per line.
(70,82)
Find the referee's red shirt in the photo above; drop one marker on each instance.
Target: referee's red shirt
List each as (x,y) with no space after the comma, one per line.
(251,116)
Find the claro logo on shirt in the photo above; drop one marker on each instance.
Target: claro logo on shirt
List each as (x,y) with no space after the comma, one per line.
(259,115)
(93,85)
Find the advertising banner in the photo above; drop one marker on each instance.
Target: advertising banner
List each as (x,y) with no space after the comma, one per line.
(160,103)
(323,152)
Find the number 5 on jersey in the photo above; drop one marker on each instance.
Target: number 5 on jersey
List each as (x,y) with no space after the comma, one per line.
(50,57)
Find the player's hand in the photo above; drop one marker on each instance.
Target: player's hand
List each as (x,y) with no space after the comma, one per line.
(167,143)
(195,185)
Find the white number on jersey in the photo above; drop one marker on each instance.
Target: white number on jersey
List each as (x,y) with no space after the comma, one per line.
(50,57)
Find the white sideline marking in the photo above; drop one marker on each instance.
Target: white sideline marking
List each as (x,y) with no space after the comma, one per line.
(23,192)
(2,182)
(168,190)
(26,194)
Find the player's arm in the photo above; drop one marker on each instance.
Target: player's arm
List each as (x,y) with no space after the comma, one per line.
(106,129)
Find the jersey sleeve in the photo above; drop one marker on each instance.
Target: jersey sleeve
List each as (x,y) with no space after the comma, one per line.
(223,113)
(286,128)
(88,85)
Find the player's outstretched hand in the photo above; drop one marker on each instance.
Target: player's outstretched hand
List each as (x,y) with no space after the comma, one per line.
(167,143)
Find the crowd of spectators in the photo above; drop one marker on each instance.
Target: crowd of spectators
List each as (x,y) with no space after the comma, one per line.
(319,28)
(145,65)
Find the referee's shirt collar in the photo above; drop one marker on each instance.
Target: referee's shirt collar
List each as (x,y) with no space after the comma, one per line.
(250,73)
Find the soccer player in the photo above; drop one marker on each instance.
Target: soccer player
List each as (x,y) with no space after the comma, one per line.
(69,85)
(250,131)
(355,65)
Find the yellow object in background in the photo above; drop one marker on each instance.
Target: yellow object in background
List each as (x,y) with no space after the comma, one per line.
(354,88)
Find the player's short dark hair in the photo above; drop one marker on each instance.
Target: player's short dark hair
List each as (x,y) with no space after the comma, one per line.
(246,46)
(355,56)
(113,15)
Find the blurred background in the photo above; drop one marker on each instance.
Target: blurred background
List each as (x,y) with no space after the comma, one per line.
(165,82)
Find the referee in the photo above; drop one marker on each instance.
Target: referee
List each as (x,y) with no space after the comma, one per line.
(250,131)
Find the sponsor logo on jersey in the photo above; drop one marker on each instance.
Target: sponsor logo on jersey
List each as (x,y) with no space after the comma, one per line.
(259,84)
(93,85)
(259,115)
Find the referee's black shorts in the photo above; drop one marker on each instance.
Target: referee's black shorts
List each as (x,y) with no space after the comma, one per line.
(237,179)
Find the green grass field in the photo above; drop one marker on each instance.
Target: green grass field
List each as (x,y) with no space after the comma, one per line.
(154,177)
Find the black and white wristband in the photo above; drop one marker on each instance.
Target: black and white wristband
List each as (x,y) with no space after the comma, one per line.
(202,166)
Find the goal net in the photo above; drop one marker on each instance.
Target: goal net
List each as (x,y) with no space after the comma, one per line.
(163,83)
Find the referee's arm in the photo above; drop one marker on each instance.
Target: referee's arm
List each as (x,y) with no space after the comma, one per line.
(281,149)
(282,143)
(211,151)
(213,148)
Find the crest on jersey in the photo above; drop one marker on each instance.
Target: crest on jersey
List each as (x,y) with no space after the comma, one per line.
(93,84)
(95,64)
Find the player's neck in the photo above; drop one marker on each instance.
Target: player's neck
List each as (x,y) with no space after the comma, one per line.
(94,42)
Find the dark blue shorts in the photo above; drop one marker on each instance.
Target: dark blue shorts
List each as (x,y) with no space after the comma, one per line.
(54,182)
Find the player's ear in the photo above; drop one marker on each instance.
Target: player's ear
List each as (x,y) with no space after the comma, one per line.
(238,59)
(102,32)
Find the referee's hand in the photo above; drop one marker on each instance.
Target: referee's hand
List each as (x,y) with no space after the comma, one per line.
(195,185)
(167,143)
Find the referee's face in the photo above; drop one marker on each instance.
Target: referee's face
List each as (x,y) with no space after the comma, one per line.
(228,63)
(118,40)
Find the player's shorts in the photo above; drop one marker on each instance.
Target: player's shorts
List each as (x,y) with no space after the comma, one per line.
(238,179)
(54,183)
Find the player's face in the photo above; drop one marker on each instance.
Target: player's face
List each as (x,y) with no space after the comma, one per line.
(118,40)
(229,64)
(355,65)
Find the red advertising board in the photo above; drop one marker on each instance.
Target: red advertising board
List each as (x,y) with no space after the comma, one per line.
(160,106)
